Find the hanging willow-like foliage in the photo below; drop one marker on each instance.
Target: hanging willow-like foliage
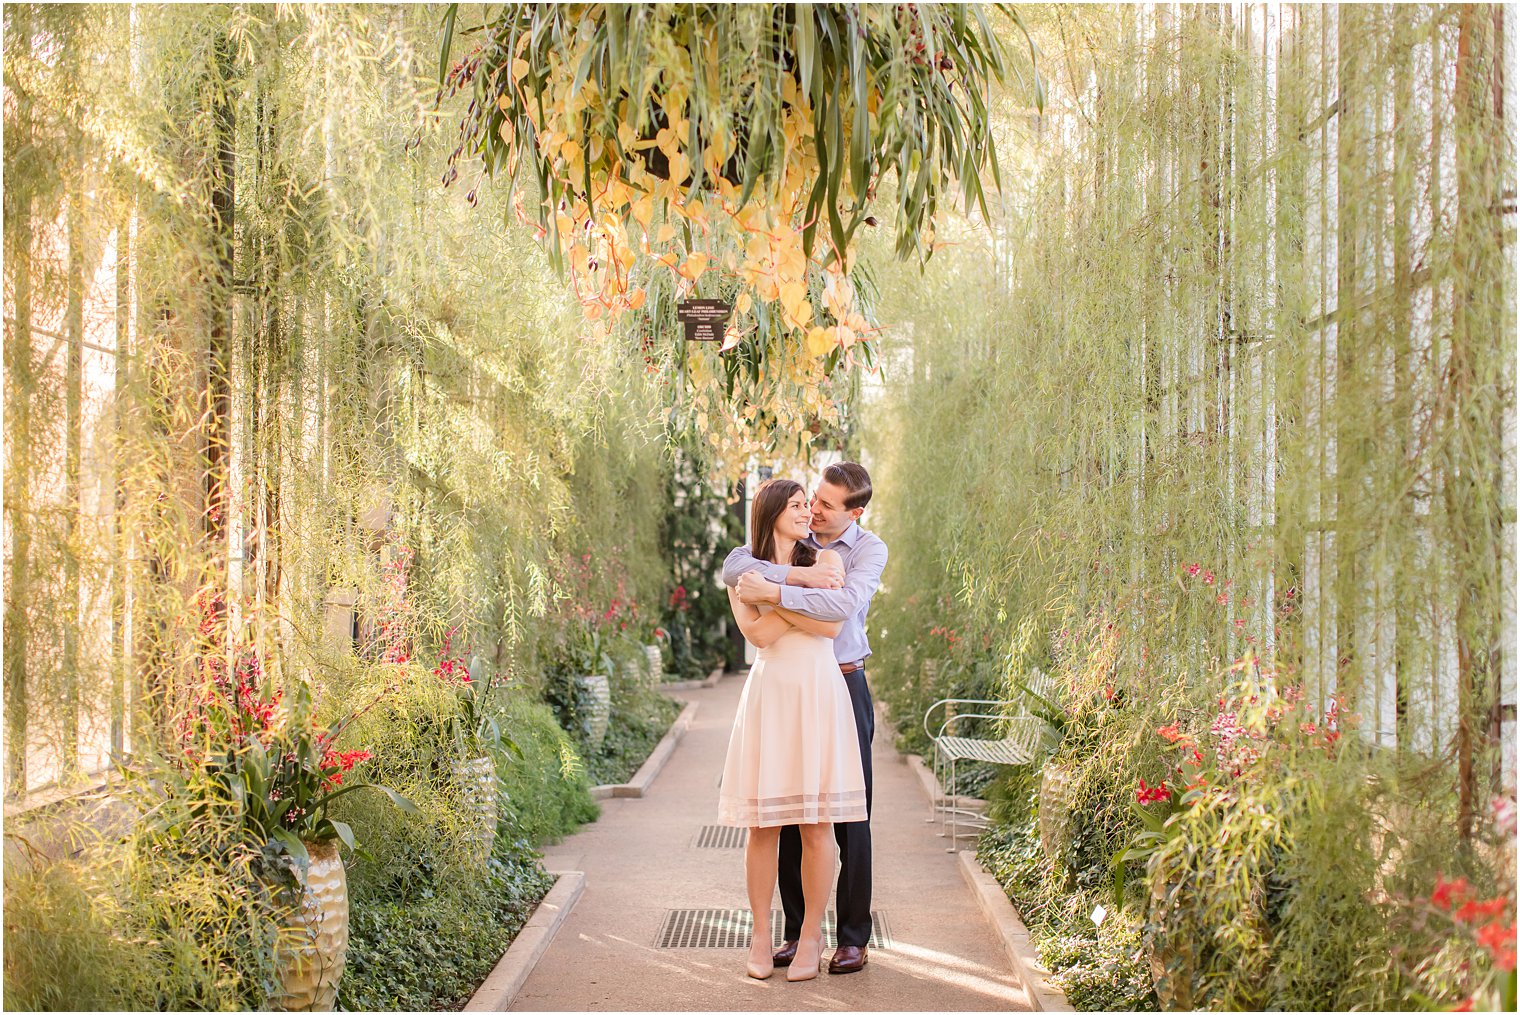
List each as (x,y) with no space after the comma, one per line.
(1257,433)
(276,408)
(733,151)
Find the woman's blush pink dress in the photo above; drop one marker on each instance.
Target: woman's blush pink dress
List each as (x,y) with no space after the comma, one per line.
(794,755)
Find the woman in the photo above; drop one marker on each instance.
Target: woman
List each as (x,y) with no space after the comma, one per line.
(794,756)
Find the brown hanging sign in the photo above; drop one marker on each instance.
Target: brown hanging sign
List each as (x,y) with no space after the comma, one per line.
(704,319)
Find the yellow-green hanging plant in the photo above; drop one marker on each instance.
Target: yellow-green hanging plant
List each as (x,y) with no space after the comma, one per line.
(732,150)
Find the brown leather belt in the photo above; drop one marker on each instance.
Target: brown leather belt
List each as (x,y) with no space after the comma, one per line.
(851,667)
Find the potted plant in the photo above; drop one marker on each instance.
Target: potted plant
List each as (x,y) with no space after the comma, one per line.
(262,761)
(478,740)
(1216,779)
(1057,778)
(1170,953)
(594,666)
(654,662)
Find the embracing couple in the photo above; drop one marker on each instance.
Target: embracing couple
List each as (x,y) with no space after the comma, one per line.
(799,758)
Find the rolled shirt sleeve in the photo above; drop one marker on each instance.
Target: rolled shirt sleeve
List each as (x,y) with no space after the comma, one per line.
(740,561)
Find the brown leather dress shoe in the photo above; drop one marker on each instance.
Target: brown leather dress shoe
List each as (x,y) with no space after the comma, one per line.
(847,959)
(786,954)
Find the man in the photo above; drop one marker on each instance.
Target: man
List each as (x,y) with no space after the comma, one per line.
(828,595)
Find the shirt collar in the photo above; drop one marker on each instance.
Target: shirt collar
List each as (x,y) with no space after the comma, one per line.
(847,537)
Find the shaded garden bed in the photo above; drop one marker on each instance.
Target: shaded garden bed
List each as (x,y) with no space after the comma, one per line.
(631,737)
(431,954)
(1100,967)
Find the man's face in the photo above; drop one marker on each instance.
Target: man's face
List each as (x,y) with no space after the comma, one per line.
(830,516)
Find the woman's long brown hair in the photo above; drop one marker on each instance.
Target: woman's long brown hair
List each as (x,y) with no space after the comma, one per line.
(770,501)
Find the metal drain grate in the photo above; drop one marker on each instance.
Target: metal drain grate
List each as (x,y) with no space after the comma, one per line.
(705,928)
(730,928)
(721,837)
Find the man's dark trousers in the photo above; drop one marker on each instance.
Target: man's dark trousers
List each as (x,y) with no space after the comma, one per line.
(853,898)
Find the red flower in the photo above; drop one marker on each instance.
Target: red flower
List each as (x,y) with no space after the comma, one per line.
(344,761)
(1449,893)
(1473,912)
(1499,939)
(1208,577)
(1152,794)
(1193,569)
(1171,733)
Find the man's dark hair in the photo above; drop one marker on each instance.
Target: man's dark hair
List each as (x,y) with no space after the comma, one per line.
(854,478)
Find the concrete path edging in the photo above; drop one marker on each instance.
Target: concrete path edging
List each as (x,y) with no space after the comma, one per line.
(999,910)
(642,779)
(711,680)
(506,978)
(1042,995)
(930,786)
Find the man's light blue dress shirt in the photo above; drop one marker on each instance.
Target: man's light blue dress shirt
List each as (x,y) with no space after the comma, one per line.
(865,557)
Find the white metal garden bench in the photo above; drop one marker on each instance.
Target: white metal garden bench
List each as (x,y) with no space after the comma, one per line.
(1020,745)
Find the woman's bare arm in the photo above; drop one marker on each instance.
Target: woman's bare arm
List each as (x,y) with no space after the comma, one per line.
(760,630)
(801,621)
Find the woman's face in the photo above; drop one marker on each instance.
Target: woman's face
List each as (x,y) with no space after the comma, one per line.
(792,522)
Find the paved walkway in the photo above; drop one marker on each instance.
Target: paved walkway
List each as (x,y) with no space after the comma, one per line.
(642,860)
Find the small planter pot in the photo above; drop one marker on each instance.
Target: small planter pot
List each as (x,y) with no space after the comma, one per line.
(1170,949)
(313,948)
(598,695)
(476,779)
(1056,785)
(928,676)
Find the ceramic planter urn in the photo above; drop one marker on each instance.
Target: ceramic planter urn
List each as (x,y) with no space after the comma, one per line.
(1171,952)
(656,664)
(476,779)
(598,706)
(314,943)
(1055,809)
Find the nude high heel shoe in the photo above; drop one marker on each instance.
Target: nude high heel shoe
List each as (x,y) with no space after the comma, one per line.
(801,968)
(760,969)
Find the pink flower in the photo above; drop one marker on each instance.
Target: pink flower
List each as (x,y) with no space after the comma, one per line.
(1504,815)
